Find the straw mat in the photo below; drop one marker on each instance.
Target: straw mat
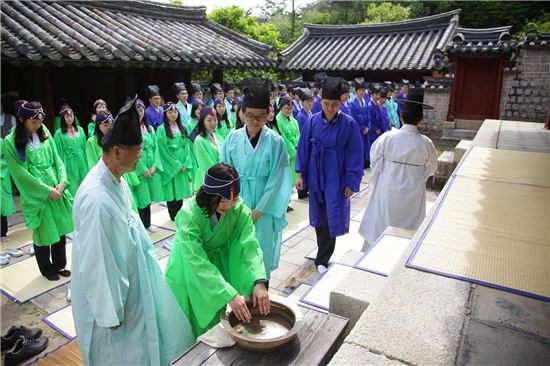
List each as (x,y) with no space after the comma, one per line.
(492,233)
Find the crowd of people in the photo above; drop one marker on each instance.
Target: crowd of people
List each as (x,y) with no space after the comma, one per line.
(226,169)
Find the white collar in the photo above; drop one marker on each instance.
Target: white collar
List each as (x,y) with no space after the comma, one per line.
(105,168)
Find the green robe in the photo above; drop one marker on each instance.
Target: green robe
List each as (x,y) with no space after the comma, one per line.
(290,132)
(207,155)
(72,151)
(57,122)
(35,177)
(209,266)
(233,121)
(223,131)
(7,205)
(91,128)
(148,190)
(93,151)
(191,125)
(174,154)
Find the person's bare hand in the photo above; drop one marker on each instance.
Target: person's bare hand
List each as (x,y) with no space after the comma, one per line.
(348,192)
(261,298)
(365,131)
(115,327)
(238,305)
(147,174)
(183,169)
(256,215)
(60,187)
(153,170)
(54,194)
(378,132)
(299,182)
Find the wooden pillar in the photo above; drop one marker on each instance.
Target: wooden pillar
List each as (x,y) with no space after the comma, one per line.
(217,76)
(455,89)
(498,88)
(44,92)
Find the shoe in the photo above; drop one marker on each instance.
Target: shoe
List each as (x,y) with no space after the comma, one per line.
(4,255)
(31,249)
(152,229)
(69,293)
(289,209)
(321,269)
(167,244)
(53,277)
(64,273)
(14,252)
(24,349)
(4,261)
(5,239)
(9,339)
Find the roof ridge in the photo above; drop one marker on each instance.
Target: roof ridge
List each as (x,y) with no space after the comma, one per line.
(481,30)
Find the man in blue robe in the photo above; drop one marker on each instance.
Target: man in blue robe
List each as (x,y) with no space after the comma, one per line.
(124,312)
(196,93)
(402,95)
(316,108)
(329,163)
(384,117)
(360,113)
(184,108)
(296,105)
(306,97)
(375,129)
(229,91)
(344,107)
(261,158)
(153,112)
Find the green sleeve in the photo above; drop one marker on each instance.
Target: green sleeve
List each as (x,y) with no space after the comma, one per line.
(56,123)
(158,161)
(58,163)
(58,138)
(92,152)
(171,165)
(287,136)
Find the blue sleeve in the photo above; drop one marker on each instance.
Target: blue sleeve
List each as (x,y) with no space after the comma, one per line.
(302,150)
(354,158)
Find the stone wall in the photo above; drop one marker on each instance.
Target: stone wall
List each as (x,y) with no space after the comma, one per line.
(526,92)
(434,118)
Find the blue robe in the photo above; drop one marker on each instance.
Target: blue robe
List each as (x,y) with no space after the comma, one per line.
(296,108)
(317,107)
(352,97)
(400,106)
(344,107)
(330,158)
(375,121)
(117,280)
(228,108)
(154,118)
(184,112)
(385,119)
(302,118)
(361,116)
(266,185)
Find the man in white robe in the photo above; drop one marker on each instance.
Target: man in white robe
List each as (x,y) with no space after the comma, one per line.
(124,312)
(402,161)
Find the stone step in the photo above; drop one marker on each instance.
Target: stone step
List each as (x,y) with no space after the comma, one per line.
(458,134)
(461,149)
(468,124)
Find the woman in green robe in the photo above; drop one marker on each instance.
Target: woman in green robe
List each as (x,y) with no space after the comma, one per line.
(148,170)
(93,145)
(7,207)
(177,160)
(224,124)
(207,146)
(216,258)
(100,106)
(290,132)
(71,145)
(39,174)
(191,127)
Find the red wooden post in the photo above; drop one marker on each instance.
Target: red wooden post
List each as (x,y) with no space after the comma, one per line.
(498,89)
(454,90)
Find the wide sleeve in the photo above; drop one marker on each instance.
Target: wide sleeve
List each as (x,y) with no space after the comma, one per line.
(34,191)
(278,188)
(245,256)
(303,150)
(287,136)
(102,267)
(58,138)
(354,157)
(197,284)
(431,165)
(225,155)
(171,165)
(58,163)
(91,152)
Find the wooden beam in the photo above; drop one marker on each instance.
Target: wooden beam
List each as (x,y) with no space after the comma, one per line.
(44,92)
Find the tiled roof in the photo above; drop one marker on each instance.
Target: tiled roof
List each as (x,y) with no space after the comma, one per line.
(535,39)
(416,44)
(134,33)
(487,40)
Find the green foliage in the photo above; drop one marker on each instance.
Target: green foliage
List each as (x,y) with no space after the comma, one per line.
(235,18)
(386,12)
(238,75)
(176,2)
(541,24)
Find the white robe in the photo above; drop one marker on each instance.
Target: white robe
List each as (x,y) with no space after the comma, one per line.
(402,161)
(117,280)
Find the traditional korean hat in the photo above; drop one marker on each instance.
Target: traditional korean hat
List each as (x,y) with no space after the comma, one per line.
(140,104)
(207,111)
(414,101)
(17,105)
(152,91)
(169,106)
(215,88)
(256,92)
(359,83)
(178,87)
(26,112)
(98,102)
(305,94)
(228,189)
(195,87)
(333,88)
(66,110)
(125,129)
(284,100)
(228,85)
(102,117)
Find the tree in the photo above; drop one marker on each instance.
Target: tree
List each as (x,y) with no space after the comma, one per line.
(176,2)
(386,12)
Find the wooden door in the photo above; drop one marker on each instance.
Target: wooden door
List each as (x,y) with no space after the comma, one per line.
(476,90)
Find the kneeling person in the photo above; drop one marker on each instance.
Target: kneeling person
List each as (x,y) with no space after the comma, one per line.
(216,257)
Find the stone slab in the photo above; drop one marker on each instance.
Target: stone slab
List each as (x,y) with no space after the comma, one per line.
(353,355)
(461,149)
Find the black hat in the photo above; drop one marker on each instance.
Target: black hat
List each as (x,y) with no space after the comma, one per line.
(152,91)
(281,87)
(256,92)
(228,85)
(405,82)
(414,101)
(305,94)
(320,77)
(359,83)
(376,88)
(215,88)
(333,88)
(126,128)
(178,87)
(195,87)
(345,87)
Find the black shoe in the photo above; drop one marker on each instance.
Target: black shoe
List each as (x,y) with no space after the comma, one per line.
(25,349)
(53,277)
(64,273)
(9,339)
(289,209)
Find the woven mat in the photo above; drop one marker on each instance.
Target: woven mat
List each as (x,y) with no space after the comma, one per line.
(491,233)
(161,219)
(319,294)
(19,236)
(383,255)
(62,321)
(22,281)
(506,166)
